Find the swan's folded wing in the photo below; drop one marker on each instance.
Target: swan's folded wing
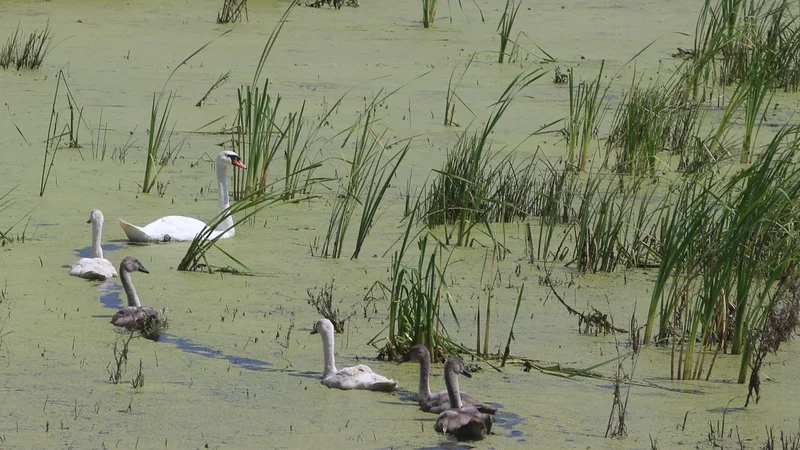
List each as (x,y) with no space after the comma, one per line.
(93,269)
(466,423)
(359,377)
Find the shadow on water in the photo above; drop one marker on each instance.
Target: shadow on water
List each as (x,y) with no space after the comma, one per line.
(187,345)
(86,252)
(112,299)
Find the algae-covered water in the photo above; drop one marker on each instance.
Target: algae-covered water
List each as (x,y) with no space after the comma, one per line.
(237,366)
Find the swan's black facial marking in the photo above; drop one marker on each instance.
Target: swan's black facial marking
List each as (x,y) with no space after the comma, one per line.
(236,161)
(166,238)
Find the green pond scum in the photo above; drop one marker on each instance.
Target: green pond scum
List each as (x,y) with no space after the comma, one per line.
(237,368)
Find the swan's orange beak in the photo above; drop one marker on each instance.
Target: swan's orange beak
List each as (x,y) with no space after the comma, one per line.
(238,163)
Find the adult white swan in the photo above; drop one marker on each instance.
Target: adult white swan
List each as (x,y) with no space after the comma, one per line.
(463,422)
(135,316)
(96,267)
(356,377)
(182,228)
(437,402)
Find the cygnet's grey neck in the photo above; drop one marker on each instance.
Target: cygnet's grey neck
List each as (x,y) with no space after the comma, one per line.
(451,380)
(424,379)
(127,285)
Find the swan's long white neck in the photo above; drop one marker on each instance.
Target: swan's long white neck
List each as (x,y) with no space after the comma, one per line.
(424,375)
(97,232)
(327,348)
(451,380)
(224,199)
(130,291)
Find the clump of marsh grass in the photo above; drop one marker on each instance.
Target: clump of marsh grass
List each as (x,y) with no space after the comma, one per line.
(505,26)
(617,419)
(138,380)
(788,441)
(725,243)
(650,120)
(461,192)
(614,224)
(258,136)
(117,368)
(159,118)
(28,54)
(416,297)
(322,301)
(232,11)
(158,130)
(368,178)
(52,143)
(586,110)
(428,12)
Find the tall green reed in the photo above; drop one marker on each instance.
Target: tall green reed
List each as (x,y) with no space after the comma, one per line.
(461,192)
(505,26)
(158,124)
(725,244)
(586,109)
(245,209)
(650,120)
(428,12)
(368,178)
(417,296)
(258,136)
(451,96)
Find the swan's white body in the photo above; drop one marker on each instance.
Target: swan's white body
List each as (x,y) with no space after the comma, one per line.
(349,378)
(96,267)
(182,228)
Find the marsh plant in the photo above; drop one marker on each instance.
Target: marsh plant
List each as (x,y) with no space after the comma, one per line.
(369,172)
(614,225)
(617,419)
(725,242)
(232,11)
(158,153)
(117,368)
(222,79)
(245,209)
(29,54)
(650,120)
(258,136)
(417,295)
(731,35)
(451,96)
(159,127)
(505,27)
(461,191)
(586,110)
(780,326)
(322,301)
(428,12)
